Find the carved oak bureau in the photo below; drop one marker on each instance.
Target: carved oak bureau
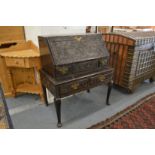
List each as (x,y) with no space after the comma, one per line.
(132,55)
(71,64)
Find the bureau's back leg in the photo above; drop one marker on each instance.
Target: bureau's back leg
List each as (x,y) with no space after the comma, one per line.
(152,79)
(45,95)
(88,90)
(110,85)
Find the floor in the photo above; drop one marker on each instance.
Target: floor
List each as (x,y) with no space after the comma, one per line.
(78,111)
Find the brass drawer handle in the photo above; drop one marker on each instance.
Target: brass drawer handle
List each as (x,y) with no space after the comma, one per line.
(63,70)
(103,62)
(101,78)
(78,38)
(75,86)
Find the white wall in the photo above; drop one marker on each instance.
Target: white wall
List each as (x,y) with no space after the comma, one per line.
(32,32)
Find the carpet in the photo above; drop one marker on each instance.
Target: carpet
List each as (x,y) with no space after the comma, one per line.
(141,115)
(5,119)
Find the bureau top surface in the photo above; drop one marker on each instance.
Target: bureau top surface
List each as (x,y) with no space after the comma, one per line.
(27,53)
(76,48)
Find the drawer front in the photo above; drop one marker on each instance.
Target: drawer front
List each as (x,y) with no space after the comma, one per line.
(85,83)
(64,71)
(94,81)
(85,67)
(73,87)
(15,62)
(100,79)
(90,66)
(81,68)
(32,62)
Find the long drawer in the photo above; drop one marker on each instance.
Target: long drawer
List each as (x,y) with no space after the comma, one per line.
(64,72)
(84,84)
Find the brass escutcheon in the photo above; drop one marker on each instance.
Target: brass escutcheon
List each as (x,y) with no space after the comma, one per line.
(101,78)
(78,38)
(75,85)
(103,62)
(63,70)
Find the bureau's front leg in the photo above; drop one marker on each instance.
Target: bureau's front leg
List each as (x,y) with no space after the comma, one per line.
(110,85)
(88,90)
(57,103)
(152,79)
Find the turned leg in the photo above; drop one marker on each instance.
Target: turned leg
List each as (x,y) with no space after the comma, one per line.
(45,95)
(88,90)
(151,79)
(57,103)
(130,91)
(110,84)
